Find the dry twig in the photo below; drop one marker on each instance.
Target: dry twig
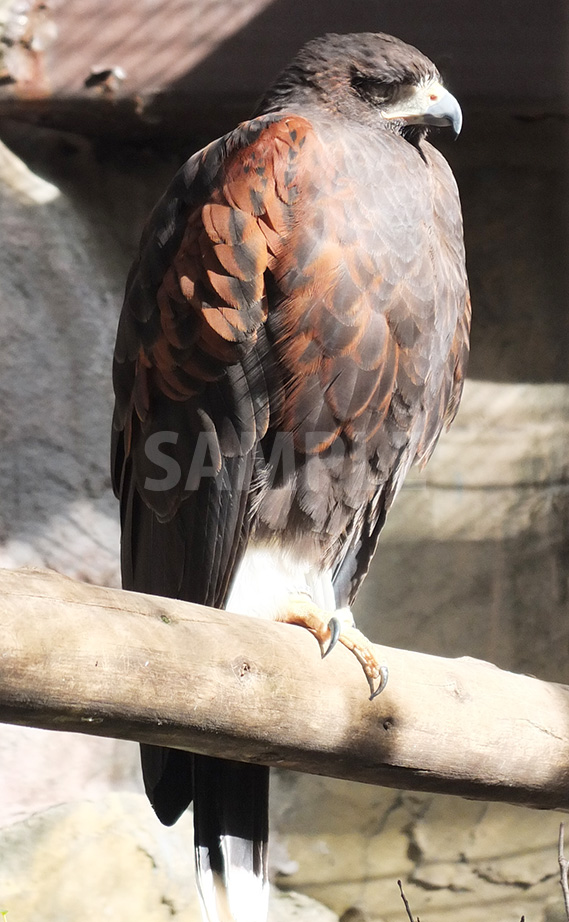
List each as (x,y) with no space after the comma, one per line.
(407,907)
(563,868)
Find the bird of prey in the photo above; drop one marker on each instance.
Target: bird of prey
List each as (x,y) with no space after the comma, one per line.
(293,337)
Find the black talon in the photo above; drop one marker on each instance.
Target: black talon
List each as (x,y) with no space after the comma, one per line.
(335,628)
(383,676)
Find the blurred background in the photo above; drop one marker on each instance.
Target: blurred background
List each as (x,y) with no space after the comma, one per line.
(99,105)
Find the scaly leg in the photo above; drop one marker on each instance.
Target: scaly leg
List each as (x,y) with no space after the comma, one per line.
(328,630)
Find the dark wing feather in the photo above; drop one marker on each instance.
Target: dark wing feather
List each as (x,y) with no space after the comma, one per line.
(428,317)
(195,382)
(190,383)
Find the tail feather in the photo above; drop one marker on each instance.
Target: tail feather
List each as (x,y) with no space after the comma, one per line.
(168,780)
(231,805)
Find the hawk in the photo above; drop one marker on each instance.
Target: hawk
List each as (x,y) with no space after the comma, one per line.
(294,336)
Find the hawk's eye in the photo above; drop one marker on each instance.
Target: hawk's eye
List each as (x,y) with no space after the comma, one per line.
(372,89)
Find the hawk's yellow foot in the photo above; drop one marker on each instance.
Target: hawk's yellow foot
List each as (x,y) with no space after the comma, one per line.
(328,631)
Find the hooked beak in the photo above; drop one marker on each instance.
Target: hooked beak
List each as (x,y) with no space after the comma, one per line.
(444,112)
(428,105)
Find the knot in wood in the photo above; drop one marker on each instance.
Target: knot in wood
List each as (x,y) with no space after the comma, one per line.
(242,668)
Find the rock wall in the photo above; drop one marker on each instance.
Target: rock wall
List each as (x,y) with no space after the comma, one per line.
(473,560)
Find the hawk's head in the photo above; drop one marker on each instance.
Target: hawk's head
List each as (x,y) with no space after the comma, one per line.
(370,77)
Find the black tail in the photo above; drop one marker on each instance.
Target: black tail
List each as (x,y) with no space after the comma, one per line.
(168,780)
(231,823)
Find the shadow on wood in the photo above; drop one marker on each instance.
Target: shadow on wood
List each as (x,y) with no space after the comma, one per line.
(120,664)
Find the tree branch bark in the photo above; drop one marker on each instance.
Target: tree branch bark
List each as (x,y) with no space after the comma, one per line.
(120,664)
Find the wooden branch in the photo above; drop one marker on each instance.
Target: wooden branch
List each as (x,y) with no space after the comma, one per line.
(111,663)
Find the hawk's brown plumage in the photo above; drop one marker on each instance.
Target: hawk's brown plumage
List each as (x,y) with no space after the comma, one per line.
(300,288)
